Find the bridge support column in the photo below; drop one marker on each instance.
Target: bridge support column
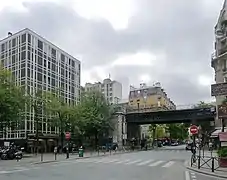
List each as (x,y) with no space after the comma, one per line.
(120,129)
(133,131)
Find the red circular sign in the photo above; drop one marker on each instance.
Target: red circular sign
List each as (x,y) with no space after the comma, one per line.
(67,135)
(194,129)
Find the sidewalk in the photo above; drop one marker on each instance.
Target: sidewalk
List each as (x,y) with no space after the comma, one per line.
(48,158)
(206,166)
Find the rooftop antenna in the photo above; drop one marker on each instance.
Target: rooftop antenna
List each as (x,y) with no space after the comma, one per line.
(109,75)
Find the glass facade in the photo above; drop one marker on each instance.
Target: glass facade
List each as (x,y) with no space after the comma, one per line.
(38,64)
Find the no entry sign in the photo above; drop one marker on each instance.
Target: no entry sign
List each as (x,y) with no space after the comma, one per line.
(194,129)
(67,135)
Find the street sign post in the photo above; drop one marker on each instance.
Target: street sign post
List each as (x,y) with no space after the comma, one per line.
(194,130)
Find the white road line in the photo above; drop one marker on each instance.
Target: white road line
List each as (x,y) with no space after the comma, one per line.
(132,162)
(156,163)
(170,163)
(110,161)
(145,162)
(99,161)
(123,161)
(187,176)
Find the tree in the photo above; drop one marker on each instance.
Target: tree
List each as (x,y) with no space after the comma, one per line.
(205,126)
(12,101)
(177,131)
(59,111)
(95,115)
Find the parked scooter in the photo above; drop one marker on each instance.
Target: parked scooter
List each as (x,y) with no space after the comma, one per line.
(12,153)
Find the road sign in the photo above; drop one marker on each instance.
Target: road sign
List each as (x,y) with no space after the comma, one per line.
(194,129)
(67,135)
(219,89)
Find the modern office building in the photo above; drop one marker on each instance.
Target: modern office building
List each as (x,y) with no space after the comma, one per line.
(38,64)
(219,57)
(112,90)
(149,98)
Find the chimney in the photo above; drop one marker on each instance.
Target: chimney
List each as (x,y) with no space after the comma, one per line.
(10,34)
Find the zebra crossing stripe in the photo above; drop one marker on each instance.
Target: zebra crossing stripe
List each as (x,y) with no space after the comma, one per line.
(99,161)
(156,163)
(170,163)
(124,161)
(145,162)
(132,162)
(110,161)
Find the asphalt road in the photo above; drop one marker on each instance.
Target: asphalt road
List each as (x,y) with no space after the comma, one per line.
(147,165)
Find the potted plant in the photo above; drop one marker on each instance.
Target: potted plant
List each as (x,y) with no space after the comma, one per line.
(222,154)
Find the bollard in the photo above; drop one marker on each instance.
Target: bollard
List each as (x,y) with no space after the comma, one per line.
(199,162)
(41,156)
(110,151)
(67,153)
(212,164)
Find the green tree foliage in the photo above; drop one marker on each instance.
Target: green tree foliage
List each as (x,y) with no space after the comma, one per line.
(12,101)
(177,131)
(206,127)
(95,114)
(59,111)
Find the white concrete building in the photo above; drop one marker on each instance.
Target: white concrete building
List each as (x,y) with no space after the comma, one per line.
(38,64)
(112,90)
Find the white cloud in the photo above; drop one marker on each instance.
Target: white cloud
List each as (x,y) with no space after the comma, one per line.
(138,59)
(117,12)
(205,80)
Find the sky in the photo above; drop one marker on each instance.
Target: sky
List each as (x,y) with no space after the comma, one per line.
(133,41)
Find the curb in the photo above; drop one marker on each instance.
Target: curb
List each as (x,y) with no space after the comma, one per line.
(205,172)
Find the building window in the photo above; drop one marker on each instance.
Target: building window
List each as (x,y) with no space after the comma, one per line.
(23,55)
(40,44)
(23,72)
(23,38)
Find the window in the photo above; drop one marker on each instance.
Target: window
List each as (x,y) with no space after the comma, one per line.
(40,61)
(23,72)
(39,78)
(23,38)
(62,58)
(29,38)
(53,52)
(40,44)
(23,55)
(28,72)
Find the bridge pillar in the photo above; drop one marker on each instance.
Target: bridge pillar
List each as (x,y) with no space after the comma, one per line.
(133,131)
(119,129)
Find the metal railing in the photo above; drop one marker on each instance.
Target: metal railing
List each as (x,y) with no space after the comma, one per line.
(205,161)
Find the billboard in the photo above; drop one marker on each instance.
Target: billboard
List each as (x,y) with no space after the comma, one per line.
(219,89)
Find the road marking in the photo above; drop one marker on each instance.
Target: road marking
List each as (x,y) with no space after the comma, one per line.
(99,161)
(110,161)
(187,176)
(124,161)
(170,163)
(132,162)
(156,163)
(145,162)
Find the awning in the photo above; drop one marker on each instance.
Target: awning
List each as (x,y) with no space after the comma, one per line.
(217,131)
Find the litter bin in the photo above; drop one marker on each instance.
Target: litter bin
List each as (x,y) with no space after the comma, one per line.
(81,152)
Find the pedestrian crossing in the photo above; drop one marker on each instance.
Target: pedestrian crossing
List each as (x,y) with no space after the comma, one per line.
(170,150)
(135,162)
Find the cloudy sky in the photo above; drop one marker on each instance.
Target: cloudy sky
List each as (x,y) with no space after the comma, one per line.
(134,41)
